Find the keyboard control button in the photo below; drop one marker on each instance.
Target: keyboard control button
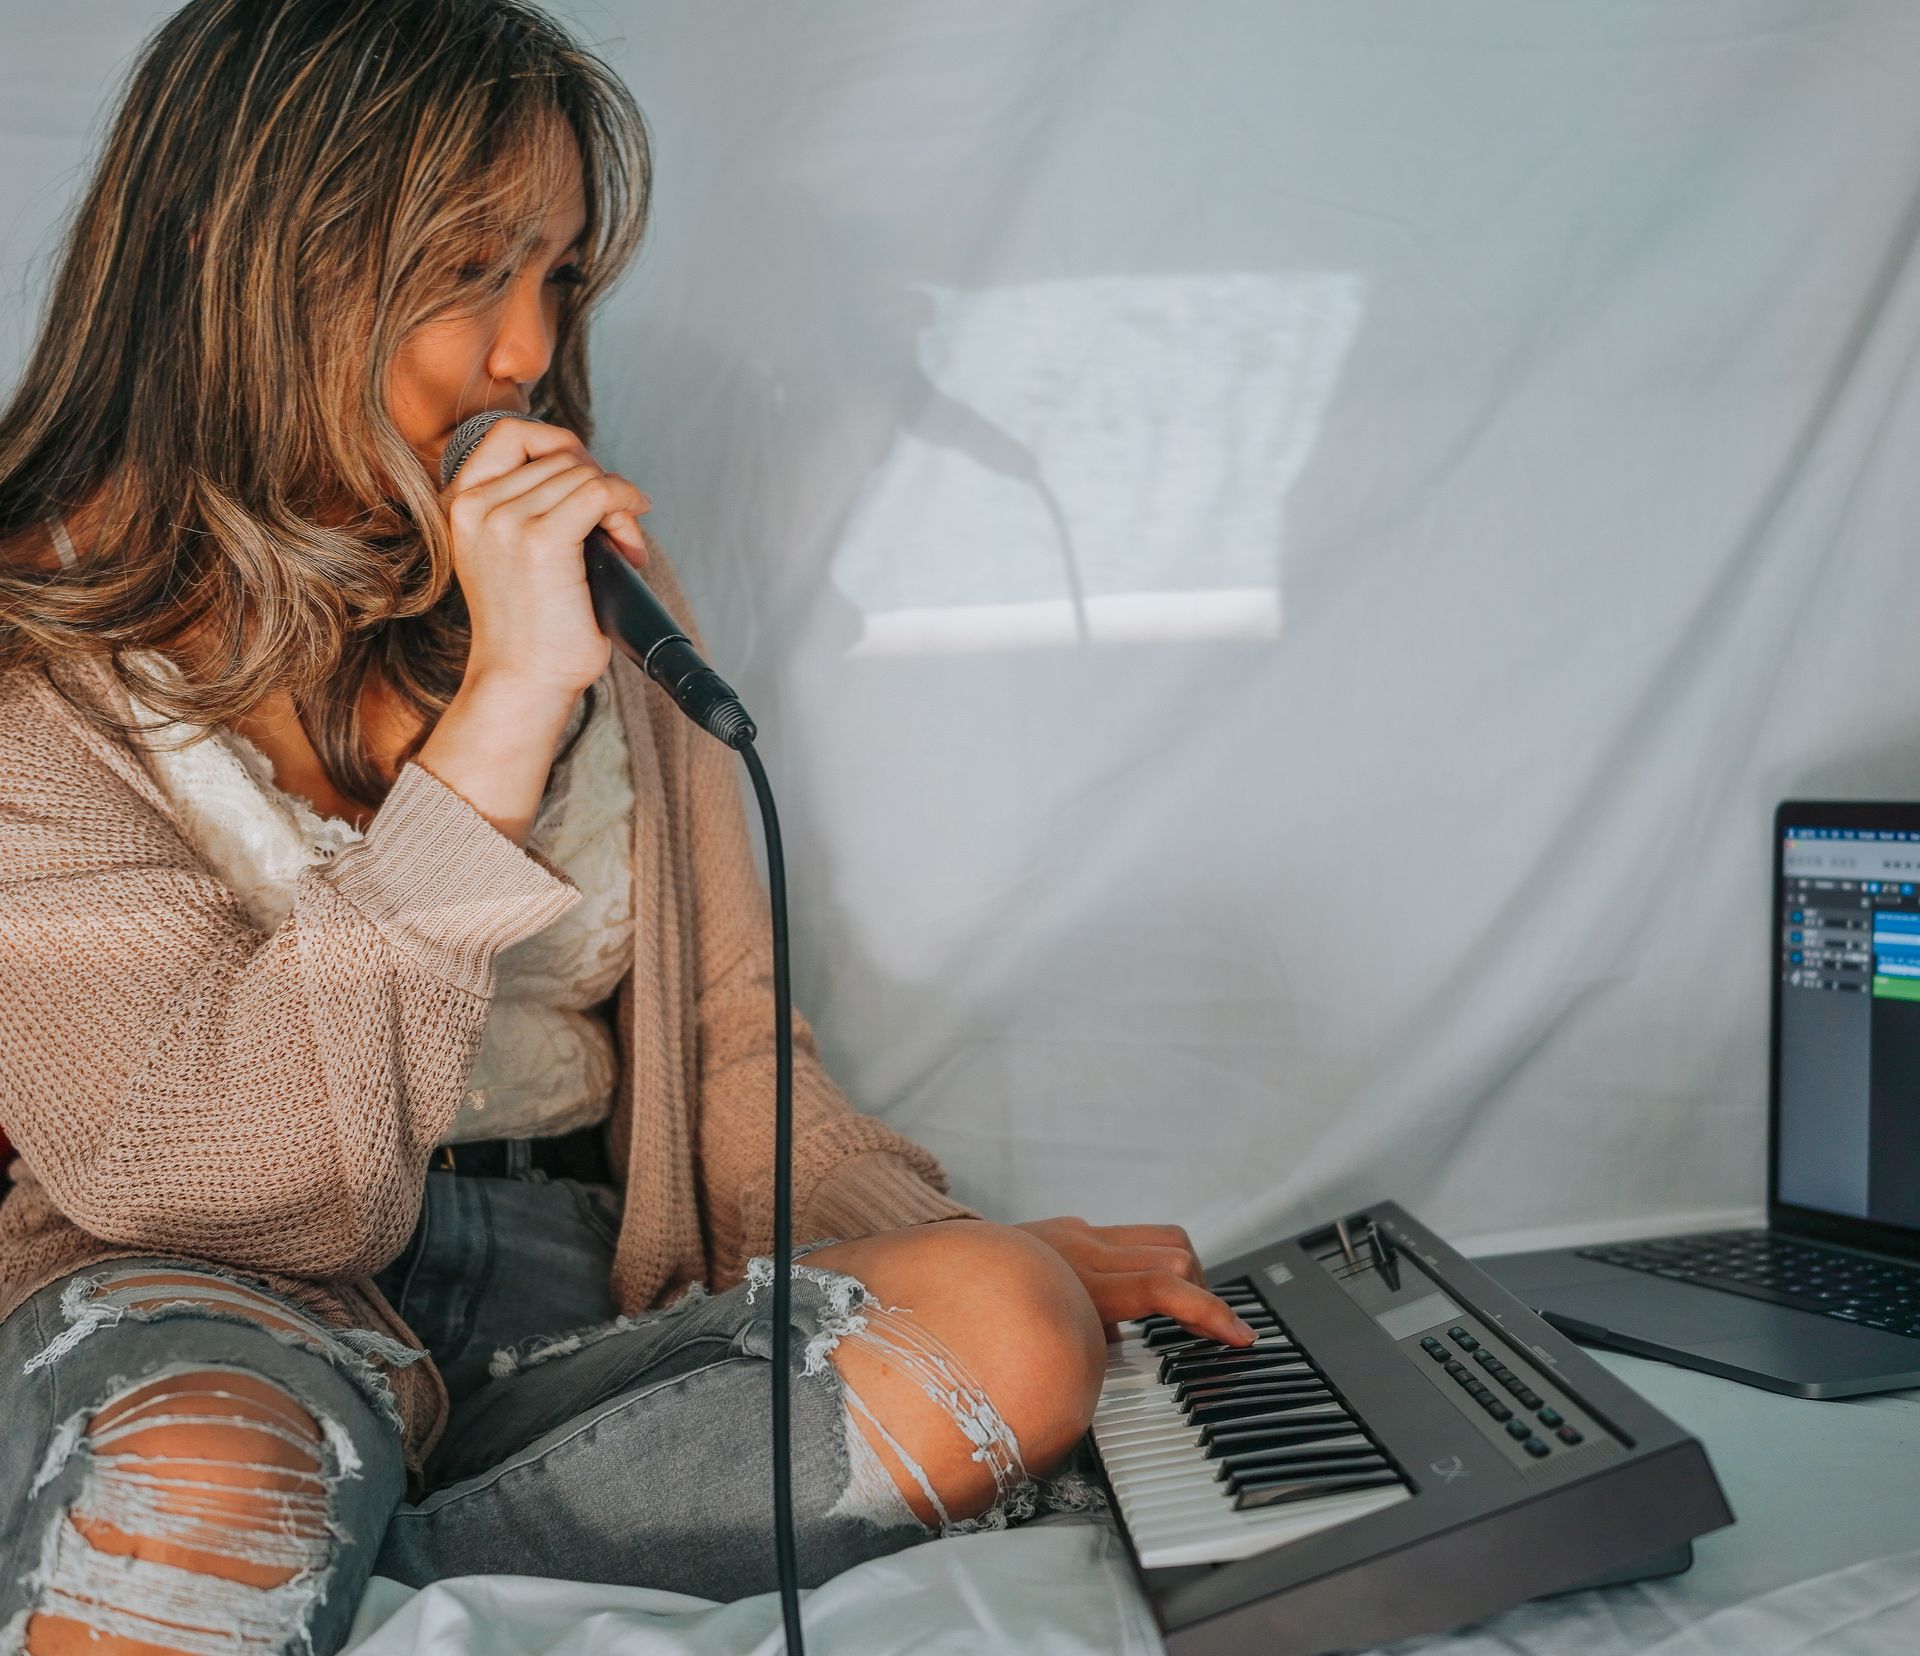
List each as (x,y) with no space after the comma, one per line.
(1528,1399)
(1534,1447)
(1499,1411)
(1519,1429)
(1549,1417)
(1466,1342)
(1437,1352)
(1457,1370)
(1568,1434)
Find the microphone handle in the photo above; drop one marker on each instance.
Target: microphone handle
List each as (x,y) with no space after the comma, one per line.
(643,629)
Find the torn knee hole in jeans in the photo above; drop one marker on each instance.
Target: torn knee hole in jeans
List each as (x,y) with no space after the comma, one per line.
(96,1299)
(872,1492)
(543,1348)
(156,1495)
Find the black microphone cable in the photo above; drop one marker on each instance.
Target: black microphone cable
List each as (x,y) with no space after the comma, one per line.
(782,1204)
(668,657)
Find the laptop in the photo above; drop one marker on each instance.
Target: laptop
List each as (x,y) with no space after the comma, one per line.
(1825,1301)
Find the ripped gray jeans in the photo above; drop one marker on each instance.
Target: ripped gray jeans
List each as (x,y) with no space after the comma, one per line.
(582,1444)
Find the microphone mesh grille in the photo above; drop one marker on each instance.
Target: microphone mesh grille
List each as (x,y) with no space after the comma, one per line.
(466,438)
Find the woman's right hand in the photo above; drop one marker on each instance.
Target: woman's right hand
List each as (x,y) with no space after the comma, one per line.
(519,509)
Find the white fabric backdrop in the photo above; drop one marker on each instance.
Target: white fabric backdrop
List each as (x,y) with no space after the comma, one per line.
(1283,553)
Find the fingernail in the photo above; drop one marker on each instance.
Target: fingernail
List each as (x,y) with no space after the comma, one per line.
(1240,1328)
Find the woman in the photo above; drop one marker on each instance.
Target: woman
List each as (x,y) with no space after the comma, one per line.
(385,1022)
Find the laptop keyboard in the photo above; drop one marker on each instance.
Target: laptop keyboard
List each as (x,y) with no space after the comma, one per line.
(1832,1282)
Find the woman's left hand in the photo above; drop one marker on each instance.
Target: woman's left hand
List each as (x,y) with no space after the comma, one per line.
(1137,1270)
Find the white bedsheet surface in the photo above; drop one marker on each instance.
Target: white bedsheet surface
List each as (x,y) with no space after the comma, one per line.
(1058,1585)
(1824,1557)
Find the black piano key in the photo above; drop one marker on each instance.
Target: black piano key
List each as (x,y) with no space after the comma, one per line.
(1251,1457)
(1185,1385)
(1247,1385)
(1219,1351)
(1284,1409)
(1278,1354)
(1294,1374)
(1196,1403)
(1327,1470)
(1194,1396)
(1293,1379)
(1270,1337)
(1338,1422)
(1186,1365)
(1275,1363)
(1230,1437)
(1174,1338)
(1246,1306)
(1179,1334)
(1278,1379)
(1292,1370)
(1226,1412)
(1241,1469)
(1309,1489)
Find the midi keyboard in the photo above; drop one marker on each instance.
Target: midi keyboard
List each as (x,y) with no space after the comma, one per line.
(1404,1448)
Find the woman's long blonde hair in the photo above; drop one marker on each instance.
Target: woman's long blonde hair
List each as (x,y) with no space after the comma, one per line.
(288,188)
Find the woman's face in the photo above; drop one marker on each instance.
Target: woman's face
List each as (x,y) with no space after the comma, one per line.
(492,356)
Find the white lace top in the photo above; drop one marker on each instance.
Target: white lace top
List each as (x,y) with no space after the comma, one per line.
(547,1062)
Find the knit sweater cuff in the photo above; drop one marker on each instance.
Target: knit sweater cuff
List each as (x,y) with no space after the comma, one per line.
(872,1192)
(445,884)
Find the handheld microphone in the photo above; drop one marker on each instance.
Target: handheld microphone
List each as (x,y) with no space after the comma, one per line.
(630,614)
(638,622)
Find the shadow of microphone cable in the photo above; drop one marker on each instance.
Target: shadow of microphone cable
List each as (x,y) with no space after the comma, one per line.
(643,630)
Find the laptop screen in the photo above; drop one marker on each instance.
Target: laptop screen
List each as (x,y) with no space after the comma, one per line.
(1847,1121)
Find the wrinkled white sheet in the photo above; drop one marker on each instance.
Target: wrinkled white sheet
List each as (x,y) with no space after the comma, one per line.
(1824,1557)
(1058,1585)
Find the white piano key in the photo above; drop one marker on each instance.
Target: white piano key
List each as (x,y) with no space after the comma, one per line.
(1133,1456)
(1121,1427)
(1179,1513)
(1200,1496)
(1242,1534)
(1208,1505)
(1140,1468)
(1211,1511)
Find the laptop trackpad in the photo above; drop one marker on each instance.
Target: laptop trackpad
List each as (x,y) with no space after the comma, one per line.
(1668,1313)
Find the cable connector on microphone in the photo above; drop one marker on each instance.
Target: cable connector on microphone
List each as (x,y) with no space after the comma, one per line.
(704,696)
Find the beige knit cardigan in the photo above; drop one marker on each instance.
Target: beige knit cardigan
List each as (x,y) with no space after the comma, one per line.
(177,1082)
